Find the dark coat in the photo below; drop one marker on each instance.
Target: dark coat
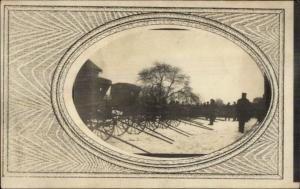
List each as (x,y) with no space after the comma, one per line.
(243,110)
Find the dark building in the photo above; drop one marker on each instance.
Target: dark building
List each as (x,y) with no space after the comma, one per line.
(89,90)
(124,94)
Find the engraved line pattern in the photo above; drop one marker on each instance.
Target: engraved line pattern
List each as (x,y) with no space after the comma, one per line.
(260,158)
(262,29)
(37,41)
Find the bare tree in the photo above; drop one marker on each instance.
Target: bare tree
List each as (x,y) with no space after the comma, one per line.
(163,82)
(186,95)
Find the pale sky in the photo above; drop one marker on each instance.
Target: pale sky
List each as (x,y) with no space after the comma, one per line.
(217,67)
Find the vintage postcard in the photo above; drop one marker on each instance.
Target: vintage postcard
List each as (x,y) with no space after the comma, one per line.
(147,94)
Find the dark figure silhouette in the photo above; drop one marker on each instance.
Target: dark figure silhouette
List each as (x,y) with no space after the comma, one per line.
(243,109)
(227,111)
(212,112)
(233,112)
(207,111)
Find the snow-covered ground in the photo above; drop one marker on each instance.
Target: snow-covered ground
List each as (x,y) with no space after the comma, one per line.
(195,141)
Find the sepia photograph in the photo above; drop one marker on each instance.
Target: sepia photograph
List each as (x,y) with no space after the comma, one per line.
(161,92)
(147,94)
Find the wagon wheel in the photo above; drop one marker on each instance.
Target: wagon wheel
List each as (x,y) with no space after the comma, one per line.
(173,122)
(163,125)
(134,126)
(152,125)
(152,122)
(142,123)
(149,125)
(104,129)
(121,127)
(91,124)
(160,123)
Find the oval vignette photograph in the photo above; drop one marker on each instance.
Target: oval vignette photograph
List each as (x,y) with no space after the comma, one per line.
(170,92)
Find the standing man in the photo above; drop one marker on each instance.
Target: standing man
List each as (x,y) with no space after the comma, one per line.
(243,109)
(227,112)
(212,112)
(233,111)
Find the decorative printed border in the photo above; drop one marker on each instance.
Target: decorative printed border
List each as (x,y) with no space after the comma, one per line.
(176,16)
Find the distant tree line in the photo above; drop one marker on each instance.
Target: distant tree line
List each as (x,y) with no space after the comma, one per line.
(163,84)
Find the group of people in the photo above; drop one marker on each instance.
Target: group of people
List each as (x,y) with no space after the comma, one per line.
(240,111)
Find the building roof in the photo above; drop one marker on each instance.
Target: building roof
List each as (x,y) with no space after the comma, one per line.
(91,66)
